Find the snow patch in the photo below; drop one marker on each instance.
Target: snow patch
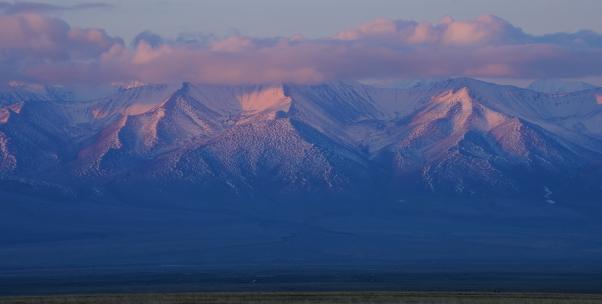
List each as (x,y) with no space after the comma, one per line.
(493,119)
(148,131)
(5,111)
(16,107)
(129,85)
(462,96)
(4,115)
(8,161)
(25,85)
(559,86)
(548,195)
(136,99)
(89,158)
(141,108)
(271,99)
(451,99)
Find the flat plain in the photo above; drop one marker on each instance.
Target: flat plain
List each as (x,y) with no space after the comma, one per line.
(311,298)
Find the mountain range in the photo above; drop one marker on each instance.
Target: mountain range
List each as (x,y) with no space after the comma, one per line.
(457,136)
(460,172)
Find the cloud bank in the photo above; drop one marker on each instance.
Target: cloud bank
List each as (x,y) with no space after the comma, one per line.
(42,49)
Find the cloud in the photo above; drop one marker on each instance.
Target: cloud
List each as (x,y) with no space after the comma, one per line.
(47,50)
(29,40)
(148,37)
(488,29)
(19,7)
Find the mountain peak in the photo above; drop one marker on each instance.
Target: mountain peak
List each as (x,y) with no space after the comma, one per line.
(461,95)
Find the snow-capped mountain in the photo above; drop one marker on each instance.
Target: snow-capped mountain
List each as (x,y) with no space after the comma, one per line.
(459,136)
(559,86)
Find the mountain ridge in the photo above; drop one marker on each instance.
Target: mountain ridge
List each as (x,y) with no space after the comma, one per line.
(461,136)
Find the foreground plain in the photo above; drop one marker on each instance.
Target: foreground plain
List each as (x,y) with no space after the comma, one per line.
(307,298)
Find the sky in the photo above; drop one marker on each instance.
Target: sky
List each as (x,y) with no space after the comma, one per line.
(243,41)
(317,18)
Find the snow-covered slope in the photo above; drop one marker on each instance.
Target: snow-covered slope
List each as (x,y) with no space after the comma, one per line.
(457,135)
(559,86)
(7,160)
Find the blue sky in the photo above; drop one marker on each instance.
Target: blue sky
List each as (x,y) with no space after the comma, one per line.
(316,18)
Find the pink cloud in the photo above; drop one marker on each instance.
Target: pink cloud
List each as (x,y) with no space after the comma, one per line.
(27,40)
(486,29)
(48,50)
(44,36)
(233,44)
